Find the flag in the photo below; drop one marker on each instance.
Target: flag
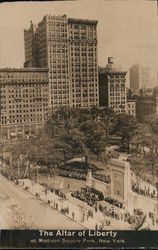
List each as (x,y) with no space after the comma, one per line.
(61,185)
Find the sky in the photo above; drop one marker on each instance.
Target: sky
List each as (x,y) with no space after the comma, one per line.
(127,29)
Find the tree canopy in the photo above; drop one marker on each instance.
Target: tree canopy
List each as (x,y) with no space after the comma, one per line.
(87,132)
(125,127)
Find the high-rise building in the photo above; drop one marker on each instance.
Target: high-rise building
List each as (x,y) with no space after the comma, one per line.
(68,47)
(144,78)
(139,78)
(83,66)
(112,88)
(23,101)
(31,46)
(53,53)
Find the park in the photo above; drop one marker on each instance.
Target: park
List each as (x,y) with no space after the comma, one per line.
(94,166)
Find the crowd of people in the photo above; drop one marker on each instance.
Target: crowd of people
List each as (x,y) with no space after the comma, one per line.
(137,219)
(153,218)
(81,175)
(145,191)
(92,196)
(86,216)
(59,193)
(76,174)
(113,202)
(88,195)
(65,211)
(102,177)
(108,212)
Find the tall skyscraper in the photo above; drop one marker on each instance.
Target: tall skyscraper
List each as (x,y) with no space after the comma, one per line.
(68,47)
(31,46)
(83,66)
(112,87)
(139,78)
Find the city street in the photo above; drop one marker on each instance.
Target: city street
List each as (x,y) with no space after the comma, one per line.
(34,211)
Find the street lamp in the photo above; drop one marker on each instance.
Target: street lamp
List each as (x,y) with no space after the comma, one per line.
(157,200)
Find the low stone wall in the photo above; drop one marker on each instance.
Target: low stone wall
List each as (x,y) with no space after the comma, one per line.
(147,204)
(101,186)
(80,203)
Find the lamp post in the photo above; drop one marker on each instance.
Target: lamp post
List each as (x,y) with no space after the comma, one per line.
(11,166)
(157,200)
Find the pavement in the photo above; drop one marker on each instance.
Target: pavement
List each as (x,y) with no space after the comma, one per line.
(17,202)
(21,209)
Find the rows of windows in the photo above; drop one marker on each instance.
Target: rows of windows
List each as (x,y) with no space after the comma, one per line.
(122,94)
(22,116)
(14,107)
(131,112)
(20,76)
(84,100)
(131,105)
(22,120)
(23,103)
(117,102)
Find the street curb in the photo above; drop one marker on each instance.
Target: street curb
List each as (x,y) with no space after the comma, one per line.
(27,192)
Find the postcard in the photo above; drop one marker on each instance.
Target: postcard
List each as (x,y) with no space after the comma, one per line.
(78,124)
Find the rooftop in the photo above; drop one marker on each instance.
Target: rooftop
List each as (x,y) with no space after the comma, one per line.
(115,71)
(131,100)
(83,21)
(72,20)
(106,70)
(23,69)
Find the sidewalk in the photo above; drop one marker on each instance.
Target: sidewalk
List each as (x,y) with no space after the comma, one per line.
(56,202)
(77,210)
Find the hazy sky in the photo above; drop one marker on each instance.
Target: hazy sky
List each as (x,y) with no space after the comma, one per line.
(127,29)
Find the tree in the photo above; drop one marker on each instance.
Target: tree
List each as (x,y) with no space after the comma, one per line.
(41,150)
(125,127)
(60,129)
(152,144)
(95,135)
(139,142)
(23,149)
(145,145)
(137,166)
(108,116)
(68,136)
(76,140)
(83,130)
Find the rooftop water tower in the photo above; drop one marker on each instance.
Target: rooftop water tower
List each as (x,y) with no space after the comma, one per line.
(110,62)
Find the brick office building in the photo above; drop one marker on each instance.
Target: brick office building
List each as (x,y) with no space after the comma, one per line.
(112,88)
(60,69)
(23,101)
(68,48)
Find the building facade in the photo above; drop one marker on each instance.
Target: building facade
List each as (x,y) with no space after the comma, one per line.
(83,66)
(112,88)
(131,107)
(23,101)
(68,47)
(139,78)
(147,105)
(31,46)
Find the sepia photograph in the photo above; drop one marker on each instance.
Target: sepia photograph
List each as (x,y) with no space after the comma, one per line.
(78,124)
